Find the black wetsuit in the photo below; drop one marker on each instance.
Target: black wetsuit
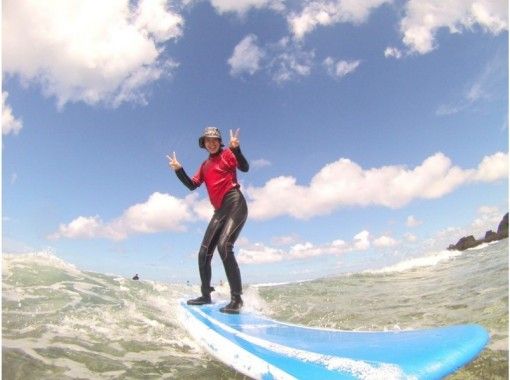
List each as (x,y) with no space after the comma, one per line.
(221,233)
(223,229)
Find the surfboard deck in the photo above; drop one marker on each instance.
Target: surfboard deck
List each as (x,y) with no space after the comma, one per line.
(262,348)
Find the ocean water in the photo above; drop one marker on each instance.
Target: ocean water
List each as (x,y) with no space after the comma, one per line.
(62,323)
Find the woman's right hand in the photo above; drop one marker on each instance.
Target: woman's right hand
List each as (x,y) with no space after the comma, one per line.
(173,163)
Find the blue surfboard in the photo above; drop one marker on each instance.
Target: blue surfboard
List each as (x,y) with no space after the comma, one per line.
(262,348)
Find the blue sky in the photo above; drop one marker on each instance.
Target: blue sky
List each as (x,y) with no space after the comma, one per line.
(376,130)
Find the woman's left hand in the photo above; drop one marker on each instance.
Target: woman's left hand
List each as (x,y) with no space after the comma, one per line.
(234,139)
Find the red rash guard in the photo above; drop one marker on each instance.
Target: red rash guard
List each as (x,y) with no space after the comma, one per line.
(219,174)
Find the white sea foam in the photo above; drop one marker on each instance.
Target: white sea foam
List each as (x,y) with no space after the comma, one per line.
(418,262)
(82,324)
(44,258)
(253,301)
(270,284)
(483,245)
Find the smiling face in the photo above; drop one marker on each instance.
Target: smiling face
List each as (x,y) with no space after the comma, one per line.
(212,144)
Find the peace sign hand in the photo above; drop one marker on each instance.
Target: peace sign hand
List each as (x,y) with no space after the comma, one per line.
(234,139)
(173,163)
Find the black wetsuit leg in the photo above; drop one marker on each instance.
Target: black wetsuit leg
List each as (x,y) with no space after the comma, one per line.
(206,252)
(222,232)
(237,213)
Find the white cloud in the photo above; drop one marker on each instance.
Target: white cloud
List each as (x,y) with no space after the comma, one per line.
(345,183)
(488,218)
(243,6)
(154,17)
(9,122)
(483,88)
(289,61)
(261,254)
(392,52)
(325,13)
(361,241)
(412,221)
(340,68)
(305,250)
(423,18)
(385,242)
(161,212)
(450,109)
(284,60)
(285,240)
(260,163)
(201,207)
(10,246)
(492,168)
(88,50)
(342,183)
(246,57)
(410,238)
(86,228)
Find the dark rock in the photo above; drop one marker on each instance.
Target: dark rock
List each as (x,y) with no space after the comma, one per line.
(465,243)
(469,241)
(491,236)
(503,227)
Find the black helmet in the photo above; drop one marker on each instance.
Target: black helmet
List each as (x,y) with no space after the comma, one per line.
(209,132)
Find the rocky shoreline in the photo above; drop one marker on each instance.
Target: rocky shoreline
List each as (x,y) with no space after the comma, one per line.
(470,242)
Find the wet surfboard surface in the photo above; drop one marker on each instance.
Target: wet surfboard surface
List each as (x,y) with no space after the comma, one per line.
(263,348)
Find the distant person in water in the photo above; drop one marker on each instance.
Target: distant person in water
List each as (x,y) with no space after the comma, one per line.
(135,277)
(218,172)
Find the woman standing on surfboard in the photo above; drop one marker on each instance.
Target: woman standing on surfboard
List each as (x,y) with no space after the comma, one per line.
(230,211)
